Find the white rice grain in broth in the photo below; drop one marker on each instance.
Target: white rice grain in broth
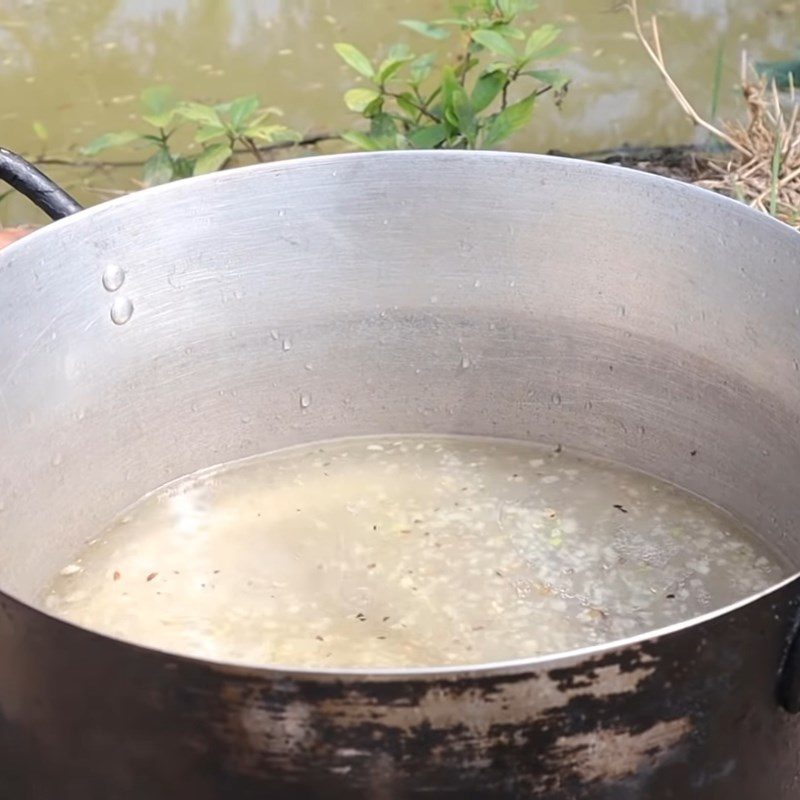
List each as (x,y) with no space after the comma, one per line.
(408,552)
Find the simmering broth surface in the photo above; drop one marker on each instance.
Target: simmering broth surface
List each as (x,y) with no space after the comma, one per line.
(407,551)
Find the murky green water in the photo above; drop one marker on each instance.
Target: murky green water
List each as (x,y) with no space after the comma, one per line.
(77,66)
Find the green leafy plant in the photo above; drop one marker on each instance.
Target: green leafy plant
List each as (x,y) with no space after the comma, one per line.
(215,133)
(458,101)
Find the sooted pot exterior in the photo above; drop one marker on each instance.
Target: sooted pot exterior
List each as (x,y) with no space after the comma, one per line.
(691,712)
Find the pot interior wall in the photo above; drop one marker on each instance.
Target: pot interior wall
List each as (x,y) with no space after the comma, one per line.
(492,294)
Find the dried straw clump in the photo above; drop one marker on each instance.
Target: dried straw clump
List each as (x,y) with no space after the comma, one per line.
(768,176)
(762,166)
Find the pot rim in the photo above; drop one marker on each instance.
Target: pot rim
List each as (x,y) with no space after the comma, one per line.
(388,674)
(188,185)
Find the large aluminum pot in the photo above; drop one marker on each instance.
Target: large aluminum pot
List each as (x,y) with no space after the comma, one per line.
(620,313)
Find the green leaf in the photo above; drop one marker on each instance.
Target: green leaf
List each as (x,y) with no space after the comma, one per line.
(465,115)
(507,122)
(271,134)
(158,169)
(540,39)
(408,104)
(40,131)
(361,140)
(508,8)
(499,66)
(421,68)
(159,104)
(207,132)
(242,108)
(256,119)
(553,50)
(212,158)
(387,69)
(460,23)
(355,58)
(159,120)
(449,85)
(554,77)
(358,99)
(182,167)
(495,42)
(454,101)
(716,86)
(382,126)
(200,113)
(107,140)
(428,137)
(373,108)
(400,50)
(486,89)
(508,31)
(273,111)
(426,29)
(391,65)
(157,99)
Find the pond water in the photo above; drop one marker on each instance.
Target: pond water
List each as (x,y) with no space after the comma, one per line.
(76,67)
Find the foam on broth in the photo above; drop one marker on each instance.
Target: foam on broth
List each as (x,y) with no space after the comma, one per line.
(407,552)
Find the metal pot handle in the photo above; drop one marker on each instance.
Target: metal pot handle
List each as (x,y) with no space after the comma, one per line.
(789,681)
(36,186)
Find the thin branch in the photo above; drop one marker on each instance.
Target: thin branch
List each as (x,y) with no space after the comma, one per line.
(253,148)
(504,99)
(465,62)
(49,161)
(306,141)
(422,110)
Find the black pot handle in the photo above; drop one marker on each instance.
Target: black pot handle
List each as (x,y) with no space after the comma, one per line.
(789,682)
(36,186)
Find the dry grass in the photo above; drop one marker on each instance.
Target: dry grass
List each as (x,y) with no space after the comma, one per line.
(762,164)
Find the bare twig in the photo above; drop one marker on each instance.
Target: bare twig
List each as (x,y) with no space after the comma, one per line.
(307,141)
(653,49)
(253,148)
(420,107)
